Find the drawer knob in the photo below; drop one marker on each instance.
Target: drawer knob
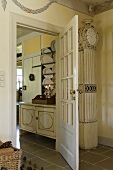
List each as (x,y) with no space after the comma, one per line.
(36,118)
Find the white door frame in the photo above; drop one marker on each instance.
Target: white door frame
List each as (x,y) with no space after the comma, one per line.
(16,19)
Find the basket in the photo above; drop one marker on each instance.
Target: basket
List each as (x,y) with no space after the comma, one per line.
(11,160)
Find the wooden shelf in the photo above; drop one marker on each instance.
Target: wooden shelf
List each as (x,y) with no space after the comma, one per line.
(48,74)
(43,64)
(49,84)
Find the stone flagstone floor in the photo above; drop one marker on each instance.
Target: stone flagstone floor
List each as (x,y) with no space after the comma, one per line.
(40,150)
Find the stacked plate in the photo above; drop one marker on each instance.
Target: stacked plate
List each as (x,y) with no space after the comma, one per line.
(47,81)
(46,59)
(49,69)
(48,72)
(46,50)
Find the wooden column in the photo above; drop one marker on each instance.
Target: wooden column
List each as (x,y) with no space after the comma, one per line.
(87,100)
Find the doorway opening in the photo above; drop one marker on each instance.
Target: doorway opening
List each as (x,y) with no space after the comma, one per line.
(36,25)
(46,28)
(34,50)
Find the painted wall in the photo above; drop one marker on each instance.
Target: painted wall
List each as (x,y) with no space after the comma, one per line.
(46,40)
(56,15)
(32,46)
(4,66)
(104,75)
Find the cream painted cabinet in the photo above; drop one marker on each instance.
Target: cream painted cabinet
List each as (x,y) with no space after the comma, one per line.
(37,118)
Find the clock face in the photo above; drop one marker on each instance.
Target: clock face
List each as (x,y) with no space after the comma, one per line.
(91,36)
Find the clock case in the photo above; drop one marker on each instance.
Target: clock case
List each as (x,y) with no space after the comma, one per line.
(84,35)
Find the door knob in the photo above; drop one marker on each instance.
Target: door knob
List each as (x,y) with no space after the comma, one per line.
(72,91)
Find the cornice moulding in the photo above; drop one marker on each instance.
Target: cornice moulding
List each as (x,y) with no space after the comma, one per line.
(86,8)
(76,5)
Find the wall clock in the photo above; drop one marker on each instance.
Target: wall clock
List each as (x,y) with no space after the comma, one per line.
(91,36)
(88,36)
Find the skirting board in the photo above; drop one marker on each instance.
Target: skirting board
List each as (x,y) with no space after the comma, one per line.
(105,141)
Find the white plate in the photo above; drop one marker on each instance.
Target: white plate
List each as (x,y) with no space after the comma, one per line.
(46,50)
(48,71)
(47,81)
(46,59)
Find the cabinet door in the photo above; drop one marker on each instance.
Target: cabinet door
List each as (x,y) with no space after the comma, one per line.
(27,118)
(46,121)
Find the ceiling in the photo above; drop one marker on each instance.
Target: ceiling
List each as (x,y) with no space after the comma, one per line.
(93,2)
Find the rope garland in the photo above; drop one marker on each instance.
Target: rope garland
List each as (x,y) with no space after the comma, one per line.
(36,11)
(4,4)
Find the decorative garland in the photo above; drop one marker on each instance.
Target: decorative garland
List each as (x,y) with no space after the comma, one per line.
(36,11)
(4,3)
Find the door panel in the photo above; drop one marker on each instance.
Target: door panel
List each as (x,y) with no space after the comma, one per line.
(69,95)
(27,118)
(46,121)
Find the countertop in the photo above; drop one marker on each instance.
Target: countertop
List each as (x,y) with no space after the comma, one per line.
(41,105)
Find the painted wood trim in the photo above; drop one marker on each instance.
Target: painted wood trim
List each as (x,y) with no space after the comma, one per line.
(27,37)
(105,141)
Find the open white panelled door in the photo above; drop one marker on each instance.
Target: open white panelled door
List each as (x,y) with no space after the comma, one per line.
(69,146)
